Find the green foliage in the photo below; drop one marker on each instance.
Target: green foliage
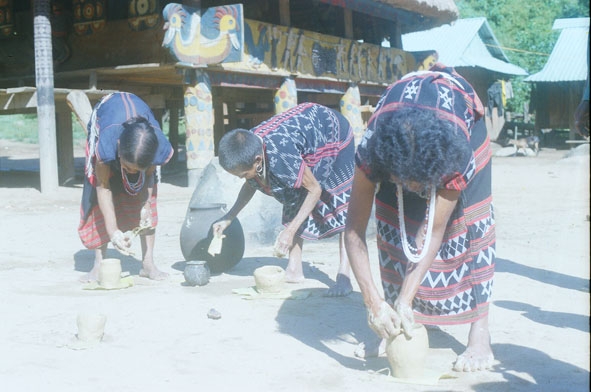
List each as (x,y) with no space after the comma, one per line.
(524,30)
(24,128)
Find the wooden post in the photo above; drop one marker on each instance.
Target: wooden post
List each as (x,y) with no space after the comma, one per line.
(173,128)
(348,23)
(65,144)
(284,15)
(219,127)
(45,97)
(351,109)
(199,125)
(286,97)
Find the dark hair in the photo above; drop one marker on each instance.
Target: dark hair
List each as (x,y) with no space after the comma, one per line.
(138,142)
(414,144)
(238,149)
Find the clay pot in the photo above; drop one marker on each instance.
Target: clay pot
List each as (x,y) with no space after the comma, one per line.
(269,279)
(91,327)
(407,356)
(196,273)
(196,235)
(110,273)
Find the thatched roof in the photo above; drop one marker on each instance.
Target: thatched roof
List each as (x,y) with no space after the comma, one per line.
(444,11)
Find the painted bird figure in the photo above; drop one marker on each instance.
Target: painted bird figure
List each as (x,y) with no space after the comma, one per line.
(189,45)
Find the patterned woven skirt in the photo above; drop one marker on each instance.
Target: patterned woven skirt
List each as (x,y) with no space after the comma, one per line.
(457,287)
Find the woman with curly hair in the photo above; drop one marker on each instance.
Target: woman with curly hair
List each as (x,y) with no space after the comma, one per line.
(426,158)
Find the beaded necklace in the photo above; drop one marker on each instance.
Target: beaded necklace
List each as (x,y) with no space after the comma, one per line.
(132,188)
(414,255)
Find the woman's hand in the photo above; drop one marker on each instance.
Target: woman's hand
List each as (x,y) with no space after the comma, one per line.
(121,241)
(146,215)
(406,318)
(384,321)
(221,225)
(283,243)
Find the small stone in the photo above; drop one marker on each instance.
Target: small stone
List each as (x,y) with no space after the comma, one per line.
(214,314)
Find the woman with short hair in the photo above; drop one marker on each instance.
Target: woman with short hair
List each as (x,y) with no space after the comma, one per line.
(304,159)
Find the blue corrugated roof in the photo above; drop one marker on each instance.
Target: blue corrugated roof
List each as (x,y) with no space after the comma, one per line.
(465,43)
(568,60)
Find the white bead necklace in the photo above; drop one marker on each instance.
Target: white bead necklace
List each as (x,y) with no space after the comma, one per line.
(415,255)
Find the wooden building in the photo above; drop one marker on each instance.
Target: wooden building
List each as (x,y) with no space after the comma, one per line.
(557,89)
(220,64)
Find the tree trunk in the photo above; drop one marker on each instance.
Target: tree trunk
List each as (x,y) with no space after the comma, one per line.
(45,97)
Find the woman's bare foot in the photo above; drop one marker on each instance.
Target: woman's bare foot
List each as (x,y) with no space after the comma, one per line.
(91,276)
(478,355)
(341,288)
(294,276)
(151,272)
(371,348)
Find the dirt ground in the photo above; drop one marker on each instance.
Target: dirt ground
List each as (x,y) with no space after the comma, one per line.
(158,336)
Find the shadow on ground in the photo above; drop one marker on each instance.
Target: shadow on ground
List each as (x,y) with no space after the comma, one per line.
(542,275)
(525,368)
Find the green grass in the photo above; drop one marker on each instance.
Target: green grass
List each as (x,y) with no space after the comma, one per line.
(23,128)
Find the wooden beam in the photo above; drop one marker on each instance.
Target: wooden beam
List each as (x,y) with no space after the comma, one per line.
(65,144)
(284,15)
(348,16)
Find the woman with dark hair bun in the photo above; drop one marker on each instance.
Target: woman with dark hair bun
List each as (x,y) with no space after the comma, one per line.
(304,159)
(125,145)
(425,159)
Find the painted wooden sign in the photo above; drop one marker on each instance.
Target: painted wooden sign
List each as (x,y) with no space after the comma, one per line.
(89,16)
(143,14)
(212,37)
(271,48)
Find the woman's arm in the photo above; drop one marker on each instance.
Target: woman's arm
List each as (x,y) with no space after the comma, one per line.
(359,211)
(381,317)
(147,192)
(105,197)
(311,184)
(244,196)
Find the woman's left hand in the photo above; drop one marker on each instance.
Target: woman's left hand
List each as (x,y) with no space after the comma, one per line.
(283,243)
(146,216)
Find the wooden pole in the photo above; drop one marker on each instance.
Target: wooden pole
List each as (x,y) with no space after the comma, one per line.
(45,97)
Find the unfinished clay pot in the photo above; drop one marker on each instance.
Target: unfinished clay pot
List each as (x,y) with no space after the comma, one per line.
(407,356)
(196,273)
(269,279)
(91,327)
(110,273)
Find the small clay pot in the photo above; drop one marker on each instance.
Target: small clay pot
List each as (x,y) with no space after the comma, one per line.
(269,278)
(197,273)
(407,356)
(110,273)
(91,326)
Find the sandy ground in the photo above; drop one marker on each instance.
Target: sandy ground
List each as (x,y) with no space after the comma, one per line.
(158,336)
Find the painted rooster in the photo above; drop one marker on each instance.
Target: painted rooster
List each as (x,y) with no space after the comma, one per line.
(186,41)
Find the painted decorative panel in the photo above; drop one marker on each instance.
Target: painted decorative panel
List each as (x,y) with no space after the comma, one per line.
(89,16)
(271,48)
(212,37)
(143,14)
